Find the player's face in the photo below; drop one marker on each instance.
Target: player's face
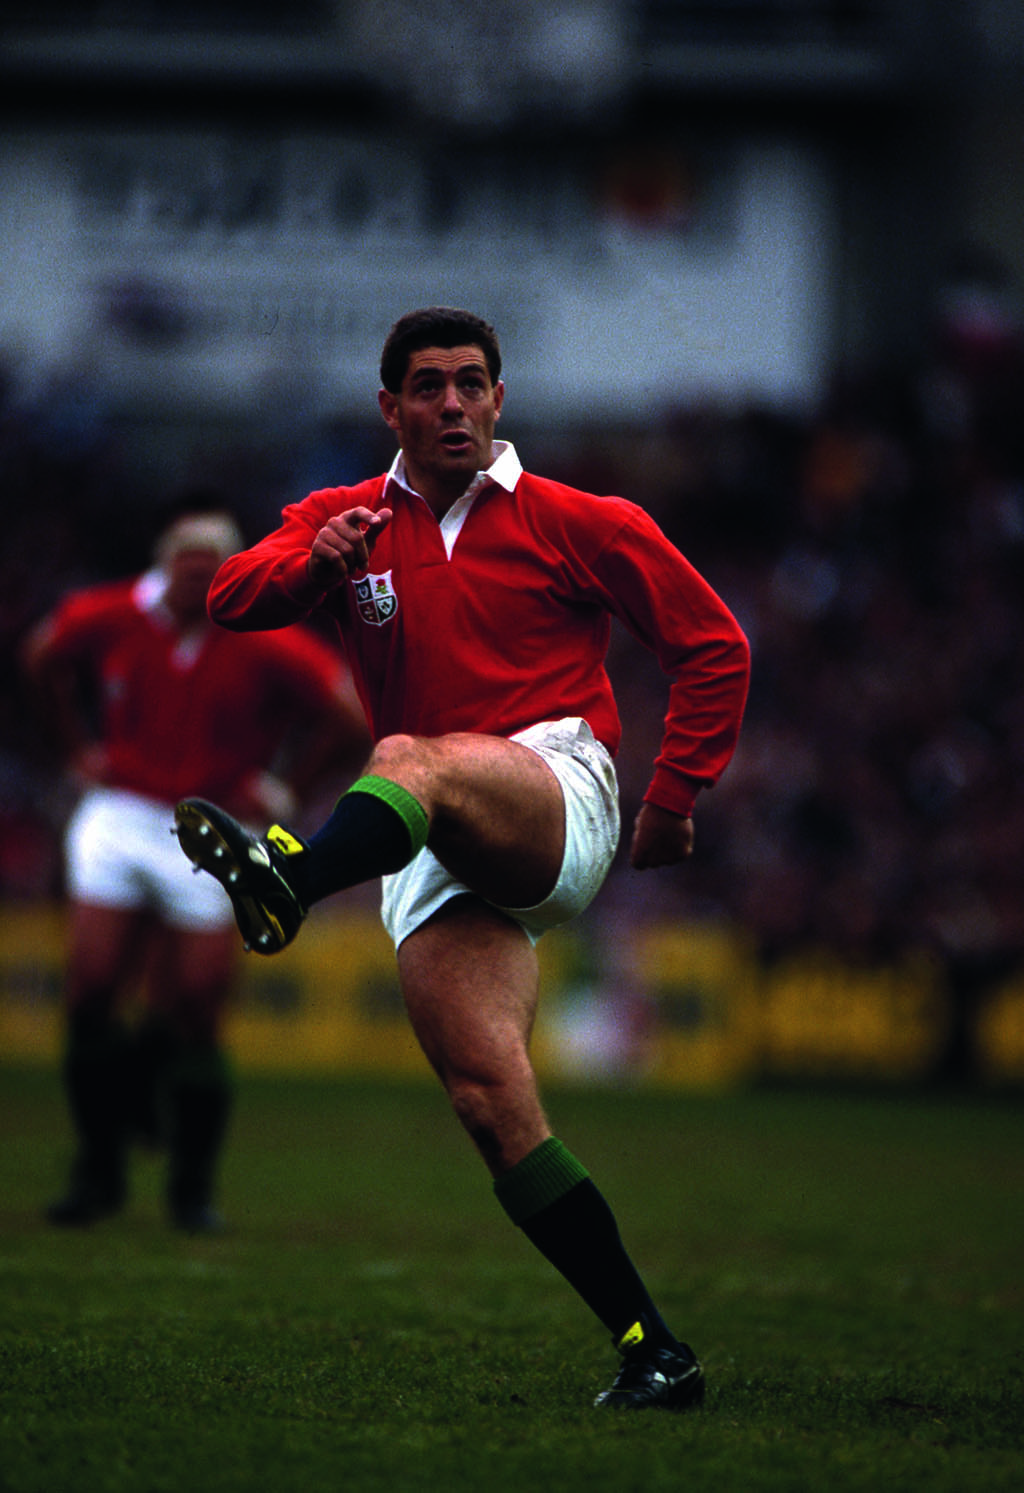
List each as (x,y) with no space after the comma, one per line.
(444,416)
(189,574)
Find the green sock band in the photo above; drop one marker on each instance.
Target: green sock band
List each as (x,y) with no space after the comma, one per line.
(411,812)
(541,1178)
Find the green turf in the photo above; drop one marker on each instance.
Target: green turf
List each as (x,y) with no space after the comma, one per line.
(848,1266)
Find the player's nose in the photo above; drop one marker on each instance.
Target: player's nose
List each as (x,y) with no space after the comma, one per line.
(452,398)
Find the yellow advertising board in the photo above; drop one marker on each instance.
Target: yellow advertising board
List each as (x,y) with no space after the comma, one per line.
(668,1004)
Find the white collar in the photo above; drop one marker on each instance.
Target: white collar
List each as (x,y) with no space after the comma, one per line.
(506,470)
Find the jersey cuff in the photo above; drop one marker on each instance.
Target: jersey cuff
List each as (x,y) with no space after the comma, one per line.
(673,791)
(294,579)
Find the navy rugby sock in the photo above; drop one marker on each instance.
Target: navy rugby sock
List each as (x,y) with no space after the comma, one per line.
(376,828)
(550,1196)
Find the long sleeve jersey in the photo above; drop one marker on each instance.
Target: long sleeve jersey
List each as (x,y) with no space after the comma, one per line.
(189,712)
(512,626)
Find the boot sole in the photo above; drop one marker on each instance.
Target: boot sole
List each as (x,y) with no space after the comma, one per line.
(222,850)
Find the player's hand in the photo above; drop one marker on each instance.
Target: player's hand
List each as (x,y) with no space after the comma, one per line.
(660,838)
(90,765)
(345,544)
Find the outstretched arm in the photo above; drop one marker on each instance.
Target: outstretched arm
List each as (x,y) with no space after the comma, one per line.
(670,608)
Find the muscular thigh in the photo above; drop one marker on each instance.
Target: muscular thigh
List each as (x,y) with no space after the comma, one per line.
(496,810)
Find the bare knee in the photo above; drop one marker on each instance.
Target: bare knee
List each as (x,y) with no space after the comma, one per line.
(394,754)
(413,762)
(474,1103)
(503,1119)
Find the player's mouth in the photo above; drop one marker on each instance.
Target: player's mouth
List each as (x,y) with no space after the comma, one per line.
(457,441)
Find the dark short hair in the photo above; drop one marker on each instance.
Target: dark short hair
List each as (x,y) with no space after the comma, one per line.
(436,326)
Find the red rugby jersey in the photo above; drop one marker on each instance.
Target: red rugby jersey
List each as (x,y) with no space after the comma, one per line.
(514,627)
(189,713)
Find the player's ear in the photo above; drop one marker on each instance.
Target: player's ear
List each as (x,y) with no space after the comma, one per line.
(388,407)
(499,397)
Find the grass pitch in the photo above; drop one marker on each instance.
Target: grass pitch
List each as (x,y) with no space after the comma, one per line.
(848,1266)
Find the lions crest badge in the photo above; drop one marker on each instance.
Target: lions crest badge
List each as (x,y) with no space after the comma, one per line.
(375,598)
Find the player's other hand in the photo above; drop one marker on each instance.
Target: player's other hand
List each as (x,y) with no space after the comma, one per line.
(90,765)
(345,544)
(660,838)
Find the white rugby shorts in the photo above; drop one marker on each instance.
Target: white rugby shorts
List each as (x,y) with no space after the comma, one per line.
(120,852)
(590,792)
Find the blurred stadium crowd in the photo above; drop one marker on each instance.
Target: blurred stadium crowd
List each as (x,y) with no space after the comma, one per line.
(872,551)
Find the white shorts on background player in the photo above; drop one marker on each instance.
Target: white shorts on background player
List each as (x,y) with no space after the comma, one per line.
(590,790)
(120,852)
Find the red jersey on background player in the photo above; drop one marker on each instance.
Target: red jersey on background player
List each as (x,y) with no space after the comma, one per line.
(148,697)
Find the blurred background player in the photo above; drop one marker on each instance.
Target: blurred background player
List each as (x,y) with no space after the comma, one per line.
(149,700)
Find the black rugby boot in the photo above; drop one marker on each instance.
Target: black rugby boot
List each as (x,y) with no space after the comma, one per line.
(253,872)
(667,1377)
